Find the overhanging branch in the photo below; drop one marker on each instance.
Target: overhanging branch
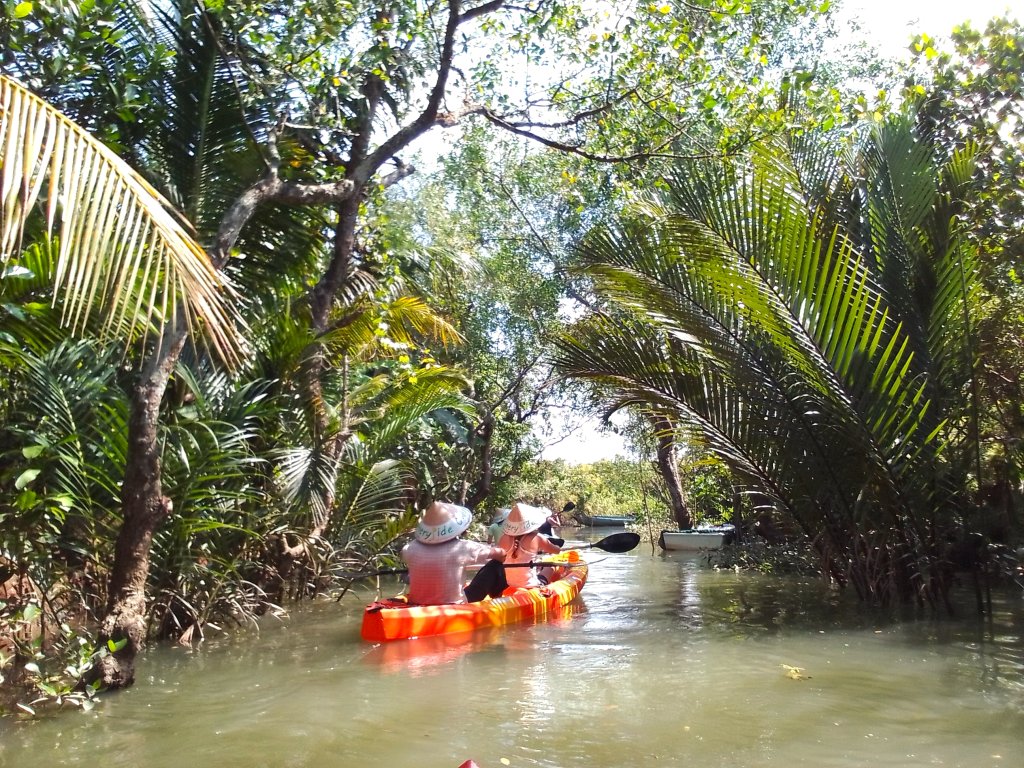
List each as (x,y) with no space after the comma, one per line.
(271,189)
(520,129)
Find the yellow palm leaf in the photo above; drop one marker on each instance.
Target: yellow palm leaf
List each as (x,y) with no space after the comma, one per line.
(121,249)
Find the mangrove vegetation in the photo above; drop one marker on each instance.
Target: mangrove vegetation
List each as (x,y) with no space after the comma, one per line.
(273,276)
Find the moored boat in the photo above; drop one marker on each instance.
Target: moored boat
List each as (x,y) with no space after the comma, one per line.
(694,539)
(602,521)
(396,620)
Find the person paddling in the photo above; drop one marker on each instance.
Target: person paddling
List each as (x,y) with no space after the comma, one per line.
(437,559)
(523,542)
(555,521)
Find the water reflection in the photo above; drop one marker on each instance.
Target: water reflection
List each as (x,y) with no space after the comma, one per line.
(661,661)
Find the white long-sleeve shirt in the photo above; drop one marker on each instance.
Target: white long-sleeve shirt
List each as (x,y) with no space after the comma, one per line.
(437,571)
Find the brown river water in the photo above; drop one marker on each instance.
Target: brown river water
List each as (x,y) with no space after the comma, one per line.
(660,662)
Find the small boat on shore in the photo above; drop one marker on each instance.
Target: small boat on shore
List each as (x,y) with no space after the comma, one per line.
(695,539)
(395,619)
(602,521)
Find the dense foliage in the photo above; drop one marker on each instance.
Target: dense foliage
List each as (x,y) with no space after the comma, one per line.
(177,456)
(813,323)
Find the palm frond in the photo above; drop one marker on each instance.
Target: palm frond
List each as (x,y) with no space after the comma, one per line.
(799,338)
(70,422)
(402,407)
(121,248)
(369,494)
(307,476)
(402,321)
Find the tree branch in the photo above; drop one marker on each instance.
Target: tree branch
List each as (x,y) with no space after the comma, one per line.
(428,118)
(271,189)
(573,149)
(481,10)
(401,171)
(578,117)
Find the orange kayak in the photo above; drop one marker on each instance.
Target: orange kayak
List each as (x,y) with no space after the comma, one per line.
(397,620)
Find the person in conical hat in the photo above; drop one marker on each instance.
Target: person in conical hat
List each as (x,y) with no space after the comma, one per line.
(441,522)
(522,541)
(437,558)
(496,528)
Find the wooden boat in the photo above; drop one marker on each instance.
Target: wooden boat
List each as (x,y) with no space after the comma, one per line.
(395,619)
(602,521)
(694,539)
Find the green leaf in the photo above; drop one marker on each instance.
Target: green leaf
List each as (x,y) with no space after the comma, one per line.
(64,501)
(26,477)
(16,271)
(31,451)
(21,10)
(115,647)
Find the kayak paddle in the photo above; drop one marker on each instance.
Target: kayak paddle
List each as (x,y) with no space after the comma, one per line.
(536,564)
(623,541)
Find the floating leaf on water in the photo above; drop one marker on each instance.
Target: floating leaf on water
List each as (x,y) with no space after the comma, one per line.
(795,673)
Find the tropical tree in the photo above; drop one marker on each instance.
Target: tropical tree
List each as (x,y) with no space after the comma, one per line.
(119,248)
(607,487)
(812,323)
(273,128)
(971,91)
(215,139)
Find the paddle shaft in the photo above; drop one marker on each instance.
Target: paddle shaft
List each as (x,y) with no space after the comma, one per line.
(623,541)
(537,564)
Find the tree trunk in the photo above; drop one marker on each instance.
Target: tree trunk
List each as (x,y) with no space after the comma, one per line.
(481,488)
(144,507)
(143,502)
(665,432)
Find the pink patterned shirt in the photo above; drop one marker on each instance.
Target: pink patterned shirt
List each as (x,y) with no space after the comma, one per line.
(437,571)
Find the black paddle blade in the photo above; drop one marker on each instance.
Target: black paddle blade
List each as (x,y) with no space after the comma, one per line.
(618,542)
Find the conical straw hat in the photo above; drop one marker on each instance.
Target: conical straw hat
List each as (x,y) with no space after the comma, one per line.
(523,519)
(501,516)
(441,522)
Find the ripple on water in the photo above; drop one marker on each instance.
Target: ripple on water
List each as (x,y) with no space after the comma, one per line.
(661,662)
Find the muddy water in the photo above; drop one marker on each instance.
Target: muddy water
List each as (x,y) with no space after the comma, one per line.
(661,662)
